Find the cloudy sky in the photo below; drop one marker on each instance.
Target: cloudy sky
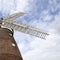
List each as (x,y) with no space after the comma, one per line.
(42,14)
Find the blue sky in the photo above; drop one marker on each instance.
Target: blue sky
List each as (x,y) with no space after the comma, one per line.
(43,14)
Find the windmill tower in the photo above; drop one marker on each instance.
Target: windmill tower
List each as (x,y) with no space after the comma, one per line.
(8,46)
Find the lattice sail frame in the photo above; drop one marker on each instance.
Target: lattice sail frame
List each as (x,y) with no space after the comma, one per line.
(10,24)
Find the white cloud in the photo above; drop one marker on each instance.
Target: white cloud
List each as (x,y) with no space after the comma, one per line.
(40,48)
(56,24)
(9,6)
(21,5)
(45,49)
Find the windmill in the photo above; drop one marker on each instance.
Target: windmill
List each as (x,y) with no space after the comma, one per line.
(8,46)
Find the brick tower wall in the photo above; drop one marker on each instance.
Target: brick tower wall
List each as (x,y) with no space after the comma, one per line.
(8,46)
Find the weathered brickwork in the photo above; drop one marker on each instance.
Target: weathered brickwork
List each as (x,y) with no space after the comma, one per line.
(8,46)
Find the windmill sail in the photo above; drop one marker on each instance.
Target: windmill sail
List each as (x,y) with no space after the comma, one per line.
(13,16)
(25,29)
(9,23)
